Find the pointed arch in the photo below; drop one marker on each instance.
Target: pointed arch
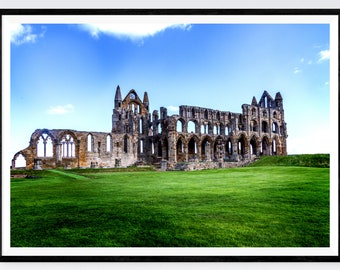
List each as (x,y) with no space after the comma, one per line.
(264,126)
(218,115)
(228,148)
(253,125)
(206,114)
(44,144)
(275,127)
(265,146)
(68,145)
(192,126)
(276,146)
(180,125)
(180,153)
(19,161)
(242,145)
(90,142)
(108,143)
(192,148)
(253,145)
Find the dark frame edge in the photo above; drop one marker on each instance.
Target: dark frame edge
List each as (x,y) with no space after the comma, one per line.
(216,12)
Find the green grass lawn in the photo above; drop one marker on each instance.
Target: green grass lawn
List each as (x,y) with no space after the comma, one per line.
(267,206)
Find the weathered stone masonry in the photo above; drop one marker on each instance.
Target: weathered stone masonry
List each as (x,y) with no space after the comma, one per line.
(198,137)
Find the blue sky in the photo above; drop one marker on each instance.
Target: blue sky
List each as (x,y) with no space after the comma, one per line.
(64,76)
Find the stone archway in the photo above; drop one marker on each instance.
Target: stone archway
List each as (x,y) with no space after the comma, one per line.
(180,153)
(265,146)
(192,149)
(252,146)
(19,161)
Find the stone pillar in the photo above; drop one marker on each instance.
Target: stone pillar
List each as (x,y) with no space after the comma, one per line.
(234,156)
(207,152)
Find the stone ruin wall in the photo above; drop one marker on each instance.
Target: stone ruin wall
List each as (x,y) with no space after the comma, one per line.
(197,138)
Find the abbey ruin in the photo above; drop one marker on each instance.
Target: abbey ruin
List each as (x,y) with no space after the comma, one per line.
(197,138)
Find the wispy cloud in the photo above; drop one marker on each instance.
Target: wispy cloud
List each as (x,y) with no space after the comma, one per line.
(324,55)
(297,70)
(60,109)
(23,33)
(132,31)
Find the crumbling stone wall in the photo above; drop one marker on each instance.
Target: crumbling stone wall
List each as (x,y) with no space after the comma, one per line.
(201,136)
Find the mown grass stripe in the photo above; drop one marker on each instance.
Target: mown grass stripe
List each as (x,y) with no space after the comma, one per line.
(69,174)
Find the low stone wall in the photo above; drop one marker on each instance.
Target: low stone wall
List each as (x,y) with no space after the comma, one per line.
(195,166)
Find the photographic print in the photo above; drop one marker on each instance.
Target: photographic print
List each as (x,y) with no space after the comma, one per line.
(170,136)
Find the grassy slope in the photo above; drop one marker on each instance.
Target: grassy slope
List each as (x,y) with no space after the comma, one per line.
(317,160)
(244,207)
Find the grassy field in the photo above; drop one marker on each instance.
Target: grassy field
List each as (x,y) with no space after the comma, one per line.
(259,206)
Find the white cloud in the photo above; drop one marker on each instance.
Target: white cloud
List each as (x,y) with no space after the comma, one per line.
(173,109)
(24,34)
(134,31)
(297,70)
(324,55)
(60,109)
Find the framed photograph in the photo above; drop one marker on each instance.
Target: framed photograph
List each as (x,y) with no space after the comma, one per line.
(170,135)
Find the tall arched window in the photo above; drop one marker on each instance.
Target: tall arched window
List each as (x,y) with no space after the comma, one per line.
(45,146)
(206,115)
(153,148)
(218,116)
(141,126)
(67,146)
(141,145)
(275,127)
(108,143)
(228,148)
(193,114)
(274,147)
(203,129)
(191,127)
(253,125)
(125,144)
(179,126)
(264,126)
(90,143)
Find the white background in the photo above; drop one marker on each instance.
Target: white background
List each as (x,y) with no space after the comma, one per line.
(245,4)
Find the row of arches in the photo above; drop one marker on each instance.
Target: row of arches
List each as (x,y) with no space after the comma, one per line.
(219,128)
(199,113)
(224,149)
(44,145)
(196,112)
